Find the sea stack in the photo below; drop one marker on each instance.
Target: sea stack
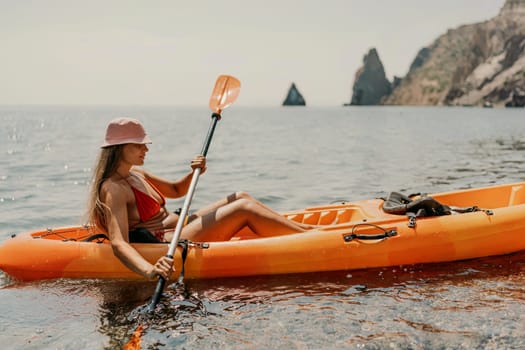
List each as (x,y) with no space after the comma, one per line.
(294,97)
(370,83)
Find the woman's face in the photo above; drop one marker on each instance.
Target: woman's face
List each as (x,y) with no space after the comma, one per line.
(134,153)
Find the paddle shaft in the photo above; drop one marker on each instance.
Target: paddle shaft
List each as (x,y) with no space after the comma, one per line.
(184,212)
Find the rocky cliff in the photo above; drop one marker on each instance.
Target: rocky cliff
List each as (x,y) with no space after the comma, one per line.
(370,83)
(475,64)
(294,97)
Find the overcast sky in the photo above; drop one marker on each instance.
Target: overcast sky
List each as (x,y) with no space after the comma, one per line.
(170,52)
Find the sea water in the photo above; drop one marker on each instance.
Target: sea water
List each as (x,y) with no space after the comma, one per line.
(289,158)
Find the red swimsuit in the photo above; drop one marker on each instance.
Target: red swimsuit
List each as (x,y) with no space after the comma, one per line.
(148,206)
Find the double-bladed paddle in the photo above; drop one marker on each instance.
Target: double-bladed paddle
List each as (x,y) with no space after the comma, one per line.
(225,92)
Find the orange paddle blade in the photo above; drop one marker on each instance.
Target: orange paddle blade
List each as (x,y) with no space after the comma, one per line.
(135,342)
(226,90)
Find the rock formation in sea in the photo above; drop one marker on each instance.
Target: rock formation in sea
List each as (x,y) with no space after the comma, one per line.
(294,97)
(517,98)
(476,64)
(370,83)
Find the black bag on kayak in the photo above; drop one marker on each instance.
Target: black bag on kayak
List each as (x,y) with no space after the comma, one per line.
(398,203)
(423,205)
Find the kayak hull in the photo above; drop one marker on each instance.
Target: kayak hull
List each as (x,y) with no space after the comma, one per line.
(332,246)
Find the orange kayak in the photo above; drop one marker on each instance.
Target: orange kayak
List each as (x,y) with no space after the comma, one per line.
(348,236)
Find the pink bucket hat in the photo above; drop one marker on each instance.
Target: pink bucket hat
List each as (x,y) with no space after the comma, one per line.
(125,130)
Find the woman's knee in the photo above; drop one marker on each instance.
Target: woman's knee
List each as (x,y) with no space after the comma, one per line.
(243,203)
(235,196)
(246,205)
(243,195)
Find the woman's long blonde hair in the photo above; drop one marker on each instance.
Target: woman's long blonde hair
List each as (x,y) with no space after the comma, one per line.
(106,165)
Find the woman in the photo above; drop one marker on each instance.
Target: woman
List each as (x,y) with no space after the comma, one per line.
(129,203)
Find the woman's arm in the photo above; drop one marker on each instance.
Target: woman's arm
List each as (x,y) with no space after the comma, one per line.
(115,198)
(178,188)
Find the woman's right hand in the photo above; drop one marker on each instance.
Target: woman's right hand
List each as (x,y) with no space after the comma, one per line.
(199,161)
(163,268)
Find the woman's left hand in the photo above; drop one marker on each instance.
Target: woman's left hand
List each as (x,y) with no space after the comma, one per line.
(163,268)
(199,162)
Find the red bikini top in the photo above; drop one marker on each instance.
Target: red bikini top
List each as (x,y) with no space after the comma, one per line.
(147,206)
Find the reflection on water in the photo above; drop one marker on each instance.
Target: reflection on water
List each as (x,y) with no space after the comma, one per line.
(472,304)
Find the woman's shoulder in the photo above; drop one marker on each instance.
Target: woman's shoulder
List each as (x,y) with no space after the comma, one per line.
(112,186)
(139,171)
(144,175)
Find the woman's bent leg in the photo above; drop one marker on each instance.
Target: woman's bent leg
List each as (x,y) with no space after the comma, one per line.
(245,196)
(224,222)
